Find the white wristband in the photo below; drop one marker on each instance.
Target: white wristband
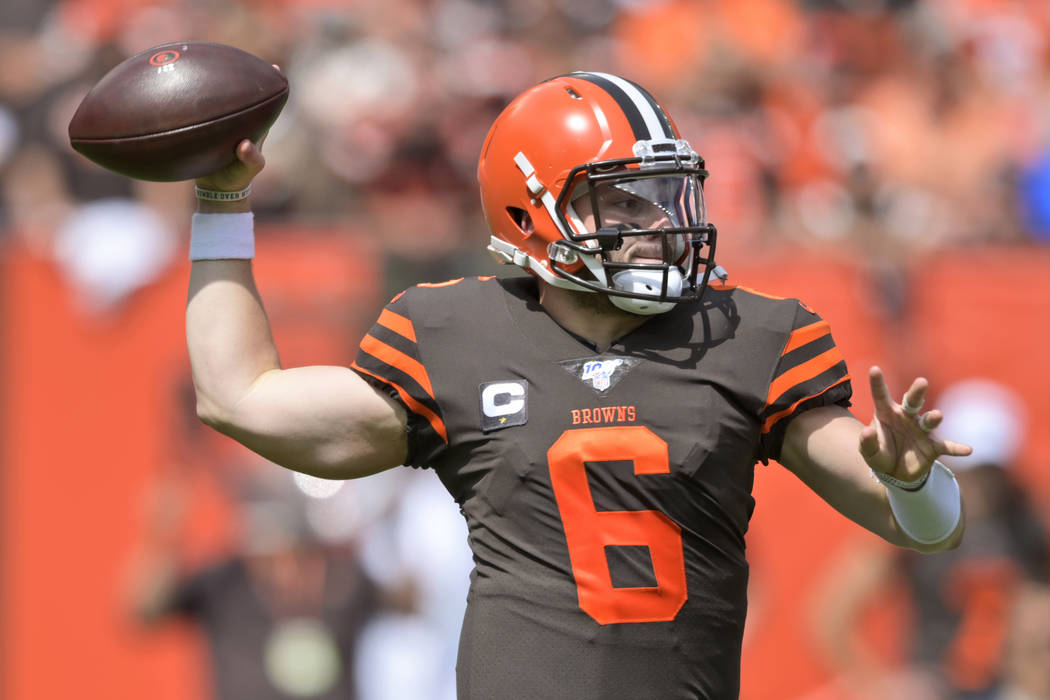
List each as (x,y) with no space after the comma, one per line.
(930,513)
(222,236)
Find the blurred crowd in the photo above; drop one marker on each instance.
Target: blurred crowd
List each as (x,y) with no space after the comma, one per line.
(322,589)
(887,129)
(979,626)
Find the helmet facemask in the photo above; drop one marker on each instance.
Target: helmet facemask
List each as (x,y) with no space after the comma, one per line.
(644,231)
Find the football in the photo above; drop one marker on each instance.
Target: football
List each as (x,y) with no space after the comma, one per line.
(177,111)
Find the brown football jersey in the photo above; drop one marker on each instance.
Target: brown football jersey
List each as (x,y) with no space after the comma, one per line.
(607,494)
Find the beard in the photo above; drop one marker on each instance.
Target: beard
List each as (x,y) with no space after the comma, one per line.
(597,303)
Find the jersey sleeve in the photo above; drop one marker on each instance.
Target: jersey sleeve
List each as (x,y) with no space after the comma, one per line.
(389,359)
(810,372)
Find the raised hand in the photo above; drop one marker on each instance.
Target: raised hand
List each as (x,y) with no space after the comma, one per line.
(239,174)
(899,441)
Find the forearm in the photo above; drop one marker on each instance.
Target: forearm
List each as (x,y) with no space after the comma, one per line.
(228,335)
(821,448)
(828,462)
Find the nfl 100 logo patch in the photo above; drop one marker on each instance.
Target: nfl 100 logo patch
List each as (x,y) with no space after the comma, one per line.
(600,373)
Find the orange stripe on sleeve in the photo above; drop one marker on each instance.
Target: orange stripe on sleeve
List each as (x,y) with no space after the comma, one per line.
(772,420)
(803,372)
(449,283)
(397,323)
(433,285)
(761,294)
(435,422)
(806,334)
(399,360)
(801,303)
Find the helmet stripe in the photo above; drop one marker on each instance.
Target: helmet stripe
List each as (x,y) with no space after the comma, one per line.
(645,115)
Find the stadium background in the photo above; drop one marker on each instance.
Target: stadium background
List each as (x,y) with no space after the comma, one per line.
(888,161)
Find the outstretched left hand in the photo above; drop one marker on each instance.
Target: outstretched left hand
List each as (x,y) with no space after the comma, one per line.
(899,441)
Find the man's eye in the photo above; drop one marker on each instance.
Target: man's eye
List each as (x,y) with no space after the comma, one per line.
(628,204)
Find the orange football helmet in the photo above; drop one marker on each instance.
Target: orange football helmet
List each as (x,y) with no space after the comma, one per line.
(564,139)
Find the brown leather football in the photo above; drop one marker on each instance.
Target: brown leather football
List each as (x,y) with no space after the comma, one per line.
(177,111)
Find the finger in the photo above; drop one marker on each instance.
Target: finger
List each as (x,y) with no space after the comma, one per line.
(244,150)
(929,421)
(954,449)
(250,154)
(915,396)
(869,441)
(880,392)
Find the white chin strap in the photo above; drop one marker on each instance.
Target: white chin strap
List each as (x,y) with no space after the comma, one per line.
(646,282)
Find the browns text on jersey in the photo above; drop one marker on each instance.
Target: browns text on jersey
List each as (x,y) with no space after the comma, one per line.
(603,414)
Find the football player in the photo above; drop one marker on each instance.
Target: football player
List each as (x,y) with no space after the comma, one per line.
(598,420)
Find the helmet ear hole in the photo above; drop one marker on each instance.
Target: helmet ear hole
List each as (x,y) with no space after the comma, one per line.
(521,219)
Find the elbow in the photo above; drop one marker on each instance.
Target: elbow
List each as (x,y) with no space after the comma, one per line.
(219,405)
(211,414)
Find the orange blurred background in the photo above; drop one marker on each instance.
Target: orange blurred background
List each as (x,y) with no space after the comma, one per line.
(886,161)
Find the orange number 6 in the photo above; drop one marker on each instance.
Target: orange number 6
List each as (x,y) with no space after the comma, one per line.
(588,531)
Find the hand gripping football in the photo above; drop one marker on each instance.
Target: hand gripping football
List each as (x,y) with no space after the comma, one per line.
(177,111)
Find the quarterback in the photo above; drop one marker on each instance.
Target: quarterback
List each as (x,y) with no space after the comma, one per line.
(598,420)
